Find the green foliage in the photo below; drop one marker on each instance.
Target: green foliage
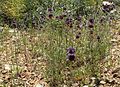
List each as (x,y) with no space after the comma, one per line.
(13,8)
(86,7)
(117,2)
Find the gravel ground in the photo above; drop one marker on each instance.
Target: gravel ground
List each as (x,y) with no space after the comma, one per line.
(111,74)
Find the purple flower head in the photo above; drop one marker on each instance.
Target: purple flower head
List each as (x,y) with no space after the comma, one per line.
(70,50)
(50,16)
(91,21)
(50,10)
(68,21)
(90,25)
(70,25)
(79,33)
(57,17)
(71,57)
(102,19)
(98,38)
(64,8)
(77,36)
(61,17)
(14,24)
(105,6)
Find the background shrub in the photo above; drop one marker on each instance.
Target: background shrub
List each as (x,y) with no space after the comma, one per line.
(31,12)
(13,8)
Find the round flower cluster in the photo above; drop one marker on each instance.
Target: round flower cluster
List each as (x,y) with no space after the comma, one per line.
(68,21)
(71,53)
(79,21)
(50,11)
(91,23)
(78,35)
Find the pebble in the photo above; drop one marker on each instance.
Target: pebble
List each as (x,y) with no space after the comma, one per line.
(1,29)
(85,86)
(12,31)
(7,67)
(102,82)
(39,85)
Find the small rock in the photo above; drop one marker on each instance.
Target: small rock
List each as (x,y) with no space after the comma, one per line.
(1,29)
(75,85)
(113,40)
(4,72)
(93,78)
(39,85)
(7,67)
(102,82)
(65,86)
(1,80)
(12,31)
(112,11)
(85,86)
